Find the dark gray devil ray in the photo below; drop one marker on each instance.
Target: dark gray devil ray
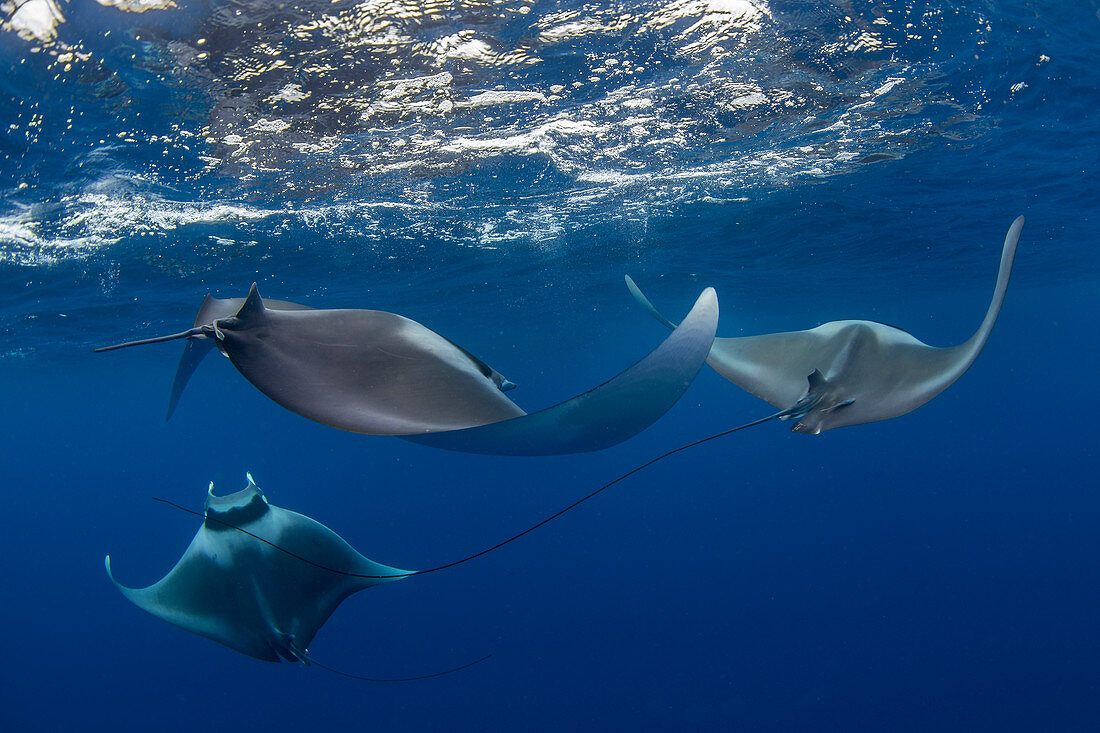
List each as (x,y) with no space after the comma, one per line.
(250,596)
(383,374)
(848,372)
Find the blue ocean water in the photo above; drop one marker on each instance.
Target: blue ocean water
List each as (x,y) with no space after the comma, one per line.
(492,170)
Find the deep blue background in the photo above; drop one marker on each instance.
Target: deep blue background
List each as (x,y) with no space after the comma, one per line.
(936,571)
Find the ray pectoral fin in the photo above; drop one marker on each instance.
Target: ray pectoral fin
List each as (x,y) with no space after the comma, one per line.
(140,597)
(608,414)
(969,351)
(194,351)
(644,302)
(133,594)
(111,575)
(938,368)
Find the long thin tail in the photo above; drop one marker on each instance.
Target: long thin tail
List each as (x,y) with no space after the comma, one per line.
(399,679)
(196,331)
(211,518)
(600,490)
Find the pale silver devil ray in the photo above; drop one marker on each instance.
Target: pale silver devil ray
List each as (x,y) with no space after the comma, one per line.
(849,372)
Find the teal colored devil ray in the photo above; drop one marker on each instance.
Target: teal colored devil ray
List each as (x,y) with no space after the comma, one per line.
(380,373)
(250,597)
(849,372)
(262,580)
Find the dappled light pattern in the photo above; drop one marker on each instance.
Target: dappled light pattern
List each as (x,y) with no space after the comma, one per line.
(610,110)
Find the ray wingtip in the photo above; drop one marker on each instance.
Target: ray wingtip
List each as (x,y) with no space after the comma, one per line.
(709,298)
(1012,238)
